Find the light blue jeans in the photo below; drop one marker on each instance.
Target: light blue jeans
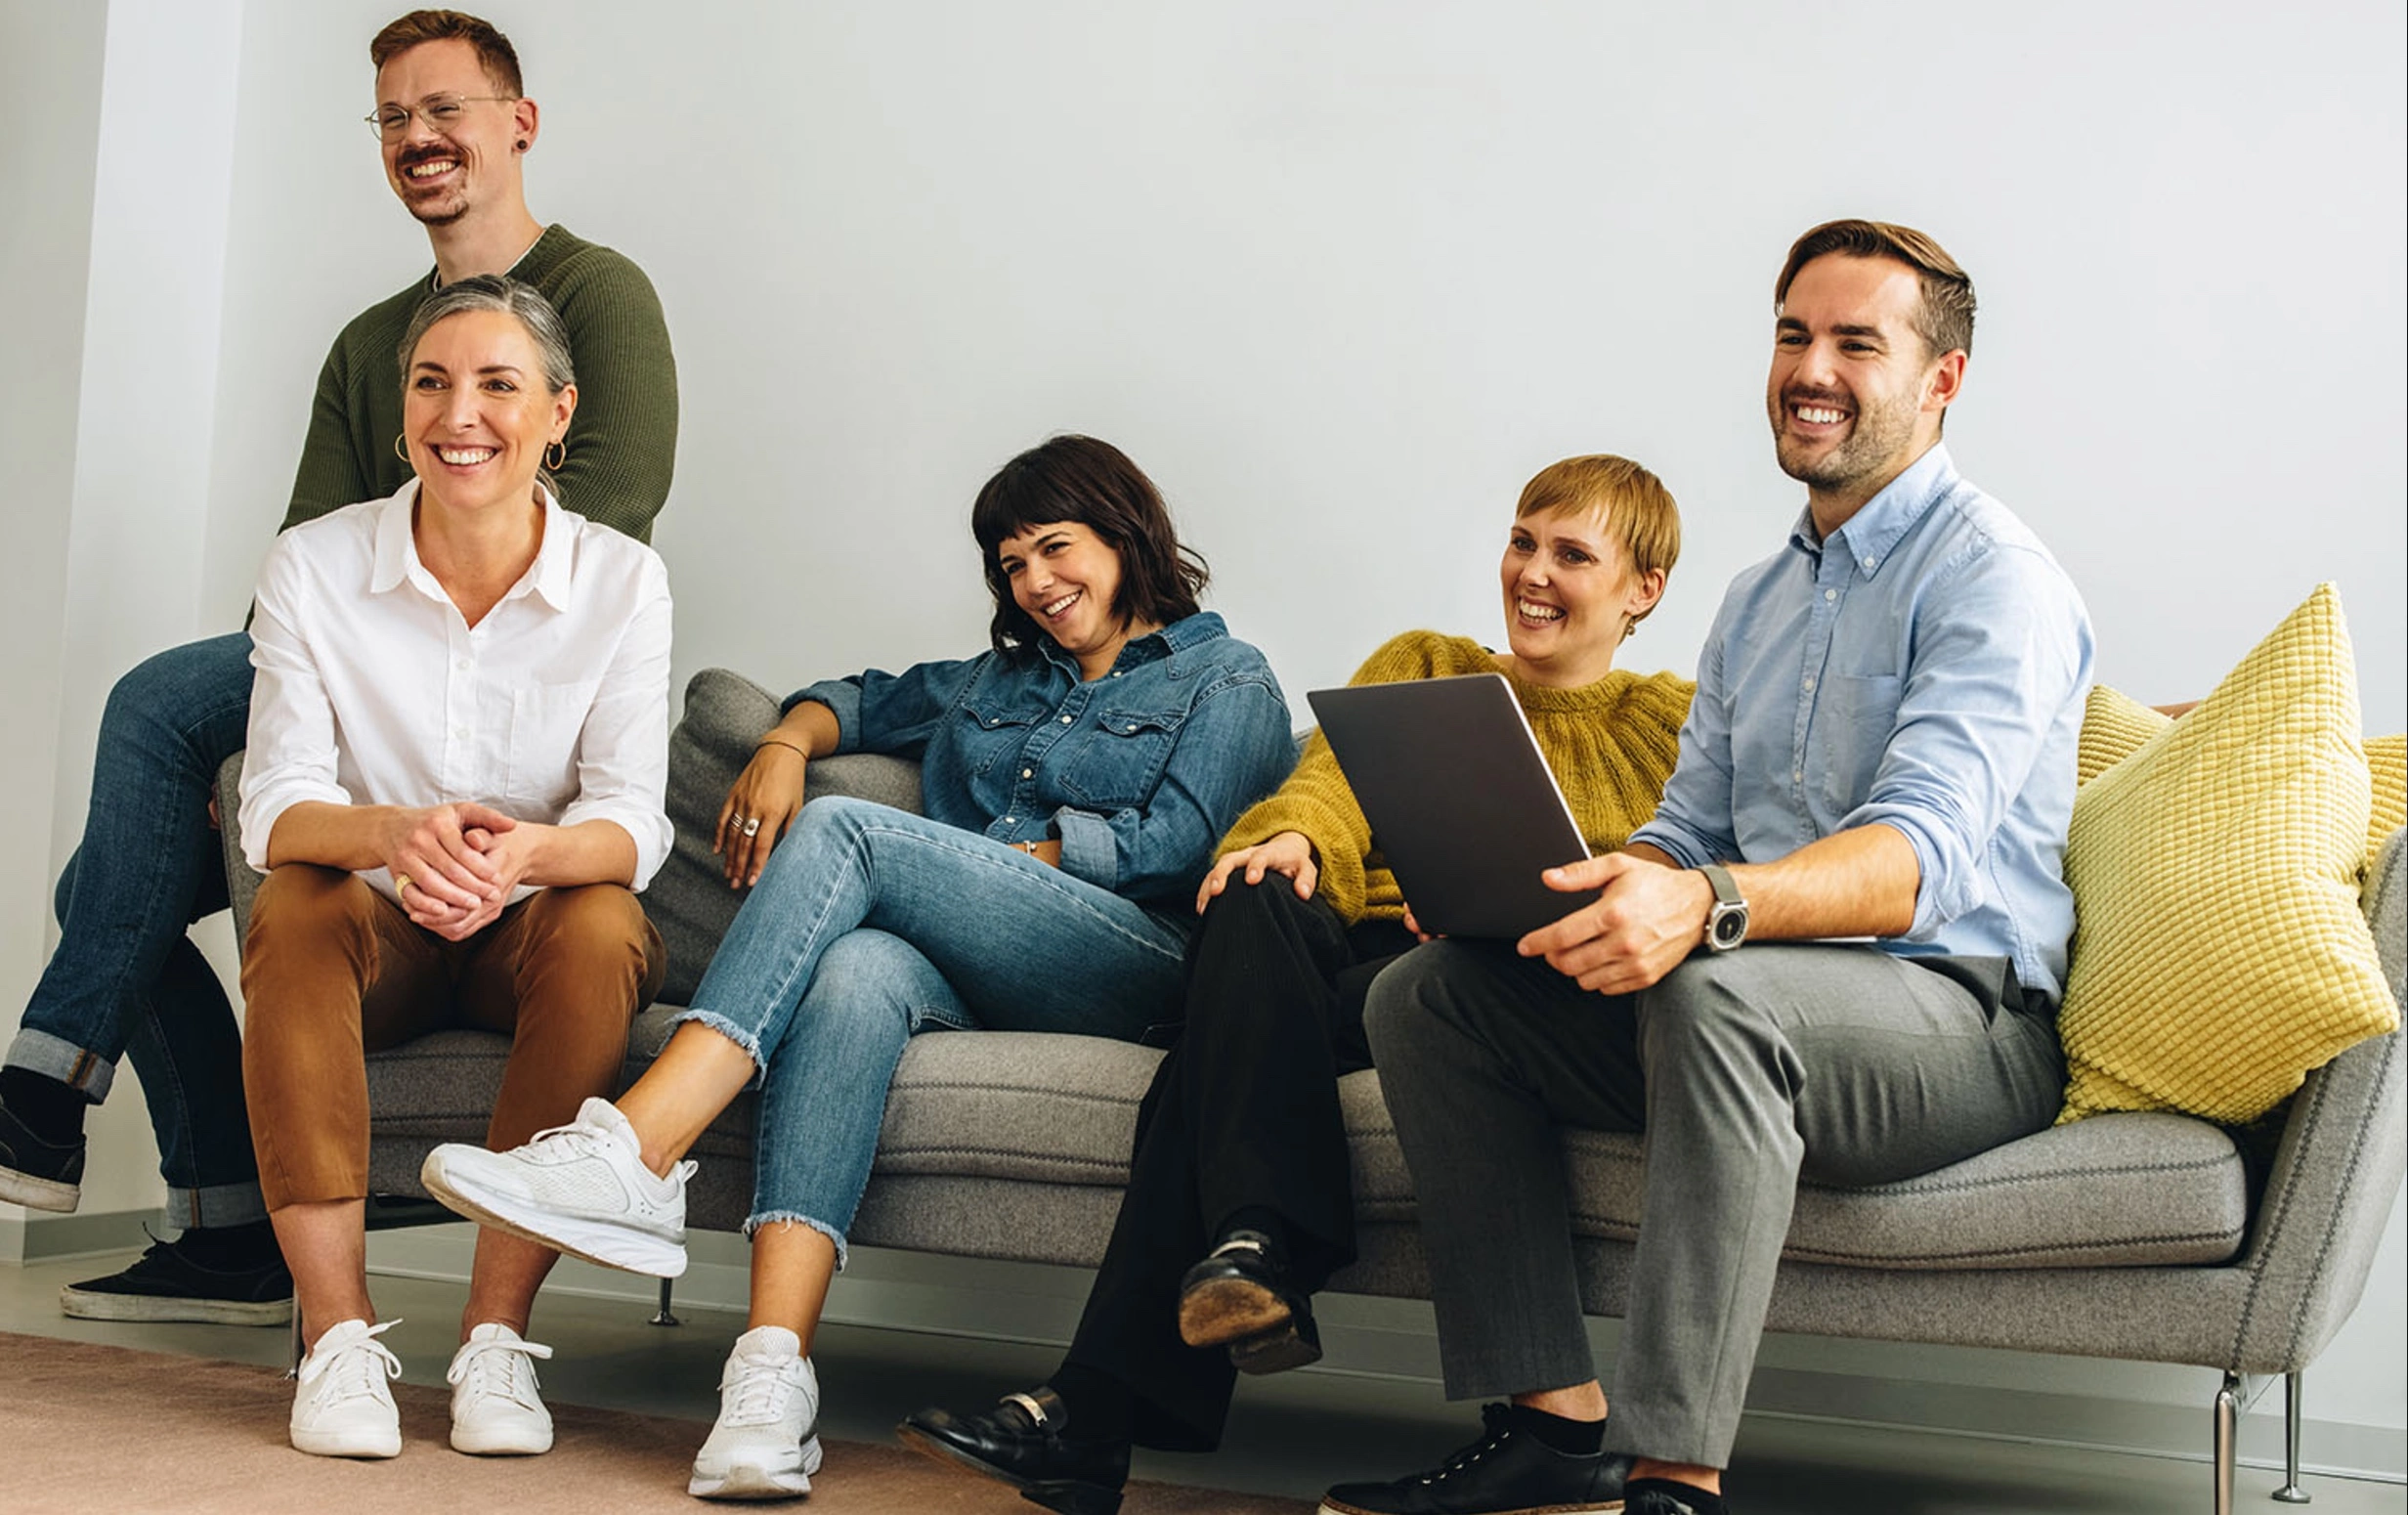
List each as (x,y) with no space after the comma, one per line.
(871,925)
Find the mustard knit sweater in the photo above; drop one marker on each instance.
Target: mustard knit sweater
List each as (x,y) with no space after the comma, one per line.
(1611,745)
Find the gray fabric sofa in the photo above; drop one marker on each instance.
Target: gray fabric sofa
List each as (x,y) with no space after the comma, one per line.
(2131,1237)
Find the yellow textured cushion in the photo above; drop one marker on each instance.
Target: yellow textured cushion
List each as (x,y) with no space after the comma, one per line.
(2219,952)
(2115,725)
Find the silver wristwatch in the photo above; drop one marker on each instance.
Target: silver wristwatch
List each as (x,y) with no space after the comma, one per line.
(1726,925)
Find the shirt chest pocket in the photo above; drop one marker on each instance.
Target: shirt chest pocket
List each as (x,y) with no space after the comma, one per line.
(546,722)
(1854,720)
(1116,764)
(992,731)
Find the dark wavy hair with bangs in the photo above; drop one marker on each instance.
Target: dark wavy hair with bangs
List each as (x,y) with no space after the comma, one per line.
(1073,478)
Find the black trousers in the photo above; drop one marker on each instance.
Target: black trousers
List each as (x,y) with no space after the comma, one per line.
(1242,1112)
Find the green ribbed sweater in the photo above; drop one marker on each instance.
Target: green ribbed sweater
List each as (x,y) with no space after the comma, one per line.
(621,443)
(1611,745)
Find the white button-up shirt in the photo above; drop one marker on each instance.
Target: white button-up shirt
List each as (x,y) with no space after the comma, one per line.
(372,688)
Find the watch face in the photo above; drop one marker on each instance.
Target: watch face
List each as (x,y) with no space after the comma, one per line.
(1730,928)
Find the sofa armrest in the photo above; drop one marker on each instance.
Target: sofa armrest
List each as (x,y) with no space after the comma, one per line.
(2337,1172)
(242,883)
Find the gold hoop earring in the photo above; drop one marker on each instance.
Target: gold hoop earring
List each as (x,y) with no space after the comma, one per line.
(400,451)
(555,455)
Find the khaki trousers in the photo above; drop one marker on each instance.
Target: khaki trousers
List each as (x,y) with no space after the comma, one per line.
(331,970)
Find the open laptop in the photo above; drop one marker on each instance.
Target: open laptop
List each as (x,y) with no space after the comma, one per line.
(1460,801)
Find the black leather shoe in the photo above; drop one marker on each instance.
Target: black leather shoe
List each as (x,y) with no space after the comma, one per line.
(1239,1297)
(1662,1496)
(1023,1442)
(1505,1472)
(36,1172)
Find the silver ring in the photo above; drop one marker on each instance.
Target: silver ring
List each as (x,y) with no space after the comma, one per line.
(752,824)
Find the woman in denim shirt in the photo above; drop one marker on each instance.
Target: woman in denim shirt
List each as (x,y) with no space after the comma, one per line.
(1075,779)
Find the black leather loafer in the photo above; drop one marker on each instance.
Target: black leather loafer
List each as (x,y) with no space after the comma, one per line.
(1023,1442)
(1239,1297)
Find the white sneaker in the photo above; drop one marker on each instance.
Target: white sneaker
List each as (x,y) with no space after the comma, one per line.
(762,1446)
(496,1408)
(341,1406)
(579,1189)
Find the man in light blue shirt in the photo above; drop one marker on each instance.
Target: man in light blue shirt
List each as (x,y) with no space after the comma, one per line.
(1881,748)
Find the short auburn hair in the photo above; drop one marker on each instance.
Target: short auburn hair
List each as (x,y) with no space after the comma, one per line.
(1942,319)
(1638,511)
(419,27)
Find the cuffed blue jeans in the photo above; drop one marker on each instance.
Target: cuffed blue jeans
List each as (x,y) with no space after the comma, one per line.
(871,925)
(126,980)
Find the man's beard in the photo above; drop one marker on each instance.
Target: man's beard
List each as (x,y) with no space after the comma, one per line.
(1876,438)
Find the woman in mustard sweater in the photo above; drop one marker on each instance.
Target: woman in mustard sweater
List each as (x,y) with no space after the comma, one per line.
(1240,1204)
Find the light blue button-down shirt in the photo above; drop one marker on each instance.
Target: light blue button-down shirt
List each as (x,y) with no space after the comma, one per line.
(1923,667)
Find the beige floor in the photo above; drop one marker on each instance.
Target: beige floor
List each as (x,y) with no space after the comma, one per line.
(1288,1435)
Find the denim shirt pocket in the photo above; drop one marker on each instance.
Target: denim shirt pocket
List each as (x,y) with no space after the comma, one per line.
(1117,764)
(1853,721)
(546,722)
(994,725)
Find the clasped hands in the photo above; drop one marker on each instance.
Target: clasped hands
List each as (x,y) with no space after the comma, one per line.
(455,866)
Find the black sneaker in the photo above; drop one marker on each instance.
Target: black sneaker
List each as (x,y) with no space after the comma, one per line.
(1505,1472)
(165,1284)
(37,1174)
(1239,1297)
(1024,1441)
(1662,1496)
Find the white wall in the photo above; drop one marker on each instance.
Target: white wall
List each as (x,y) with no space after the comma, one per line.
(1343,276)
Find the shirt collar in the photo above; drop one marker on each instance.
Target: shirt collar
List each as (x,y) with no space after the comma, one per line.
(551,577)
(1187,631)
(1882,520)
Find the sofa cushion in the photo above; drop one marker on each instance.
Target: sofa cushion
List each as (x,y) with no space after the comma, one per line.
(2220,953)
(689,901)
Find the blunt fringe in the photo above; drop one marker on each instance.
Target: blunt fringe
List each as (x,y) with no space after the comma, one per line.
(1081,479)
(1637,510)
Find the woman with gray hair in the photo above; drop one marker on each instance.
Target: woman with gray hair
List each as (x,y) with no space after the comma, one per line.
(457,751)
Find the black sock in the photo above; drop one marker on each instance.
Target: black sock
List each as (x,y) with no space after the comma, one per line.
(1259,1217)
(1573,1438)
(1102,1407)
(229,1248)
(1697,1500)
(52,1111)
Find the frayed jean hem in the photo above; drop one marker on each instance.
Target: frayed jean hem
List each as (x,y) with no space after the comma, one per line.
(755,1222)
(734,1032)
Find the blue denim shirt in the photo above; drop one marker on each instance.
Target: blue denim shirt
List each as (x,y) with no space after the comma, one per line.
(1924,667)
(1138,773)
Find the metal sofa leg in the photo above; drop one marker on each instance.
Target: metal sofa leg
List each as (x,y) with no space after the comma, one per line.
(299,1350)
(2227,1418)
(2291,1493)
(665,1317)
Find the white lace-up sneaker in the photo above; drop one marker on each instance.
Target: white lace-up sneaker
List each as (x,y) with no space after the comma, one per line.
(580,1188)
(496,1408)
(762,1446)
(341,1406)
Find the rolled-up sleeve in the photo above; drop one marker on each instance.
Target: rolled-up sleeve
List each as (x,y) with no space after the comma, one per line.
(1233,748)
(1693,824)
(623,748)
(2002,645)
(290,753)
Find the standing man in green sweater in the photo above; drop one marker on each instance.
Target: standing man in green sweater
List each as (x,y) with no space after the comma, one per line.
(455,128)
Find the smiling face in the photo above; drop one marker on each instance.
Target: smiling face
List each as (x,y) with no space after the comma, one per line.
(1853,396)
(444,174)
(1570,595)
(477,412)
(1068,580)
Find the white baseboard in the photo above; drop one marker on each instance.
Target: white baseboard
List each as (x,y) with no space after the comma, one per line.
(1393,1340)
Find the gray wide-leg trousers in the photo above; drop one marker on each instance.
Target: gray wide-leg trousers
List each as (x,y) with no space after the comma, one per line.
(1840,1064)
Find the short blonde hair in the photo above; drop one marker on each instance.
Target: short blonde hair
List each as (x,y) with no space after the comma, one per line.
(1639,512)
